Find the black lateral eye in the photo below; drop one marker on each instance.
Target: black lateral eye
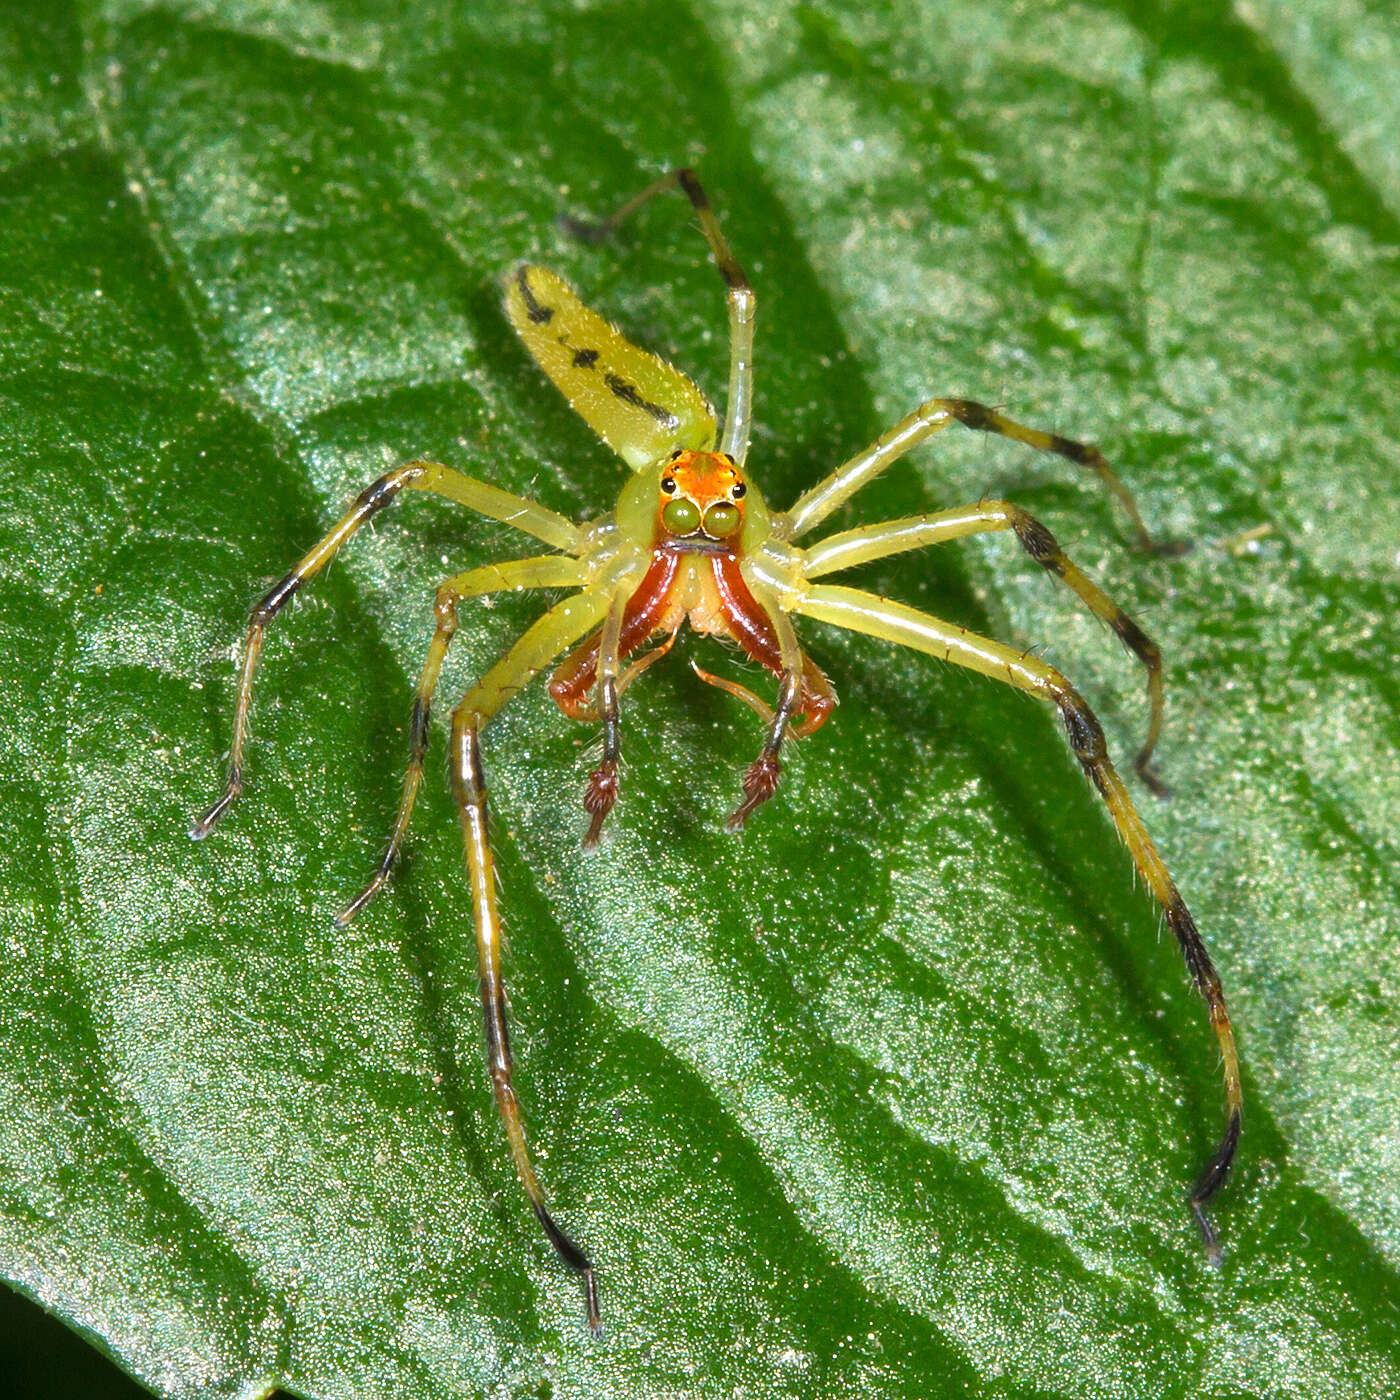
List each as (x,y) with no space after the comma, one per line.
(680,451)
(738,491)
(668,485)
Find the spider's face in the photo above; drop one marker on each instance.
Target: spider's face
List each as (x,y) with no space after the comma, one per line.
(701,499)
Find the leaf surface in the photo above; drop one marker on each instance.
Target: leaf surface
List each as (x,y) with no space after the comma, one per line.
(896,1094)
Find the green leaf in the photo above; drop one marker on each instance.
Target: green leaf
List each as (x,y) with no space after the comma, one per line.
(899,1092)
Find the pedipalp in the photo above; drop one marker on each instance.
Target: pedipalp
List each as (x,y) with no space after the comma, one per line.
(691,540)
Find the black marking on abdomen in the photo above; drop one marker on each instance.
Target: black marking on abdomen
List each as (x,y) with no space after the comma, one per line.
(535,310)
(630,394)
(585,359)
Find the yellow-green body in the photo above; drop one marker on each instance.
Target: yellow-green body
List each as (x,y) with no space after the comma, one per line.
(691,541)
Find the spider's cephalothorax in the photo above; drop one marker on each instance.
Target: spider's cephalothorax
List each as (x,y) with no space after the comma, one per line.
(692,541)
(701,505)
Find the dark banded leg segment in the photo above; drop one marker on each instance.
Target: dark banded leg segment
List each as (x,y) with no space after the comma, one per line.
(869,542)
(894,622)
(552,634)
(469,786)
(601,794)
(987,420)
(931,417)
(739,295)
(541,571)
(1087,740)
(491,501)
(367,504)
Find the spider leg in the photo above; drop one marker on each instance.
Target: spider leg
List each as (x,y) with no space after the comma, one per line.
(561,626)
(861,545)
(815,505)
(739,296)
(526,515)
(1083,454)
(540,571)
(894,622)
(834,490)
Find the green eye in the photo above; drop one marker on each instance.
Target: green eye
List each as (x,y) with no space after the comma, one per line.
(681,517)
(721,520)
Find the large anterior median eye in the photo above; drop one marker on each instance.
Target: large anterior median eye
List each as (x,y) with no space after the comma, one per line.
(681,517)
(721,520)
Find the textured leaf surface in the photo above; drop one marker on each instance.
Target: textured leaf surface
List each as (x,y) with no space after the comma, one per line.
(897,1094)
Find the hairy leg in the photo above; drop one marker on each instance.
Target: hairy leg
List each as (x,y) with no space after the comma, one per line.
(541,571)
(894,622)
(490,501)
(868,542)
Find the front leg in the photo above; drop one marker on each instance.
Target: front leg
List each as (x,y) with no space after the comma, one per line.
(815,504)
(876,616)
(558,629)
(367,505)
(524,514)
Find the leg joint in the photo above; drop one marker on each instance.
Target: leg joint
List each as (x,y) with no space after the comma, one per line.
(1193,949)
(445,609)
(468,779)
(1037,541)
(691,187)
(1080,452)
(971,414)
(1137,640)
(276,599)
(418,728)
(383,489)
(1084,730)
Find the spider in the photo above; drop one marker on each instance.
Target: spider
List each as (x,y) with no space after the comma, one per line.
(692,540)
